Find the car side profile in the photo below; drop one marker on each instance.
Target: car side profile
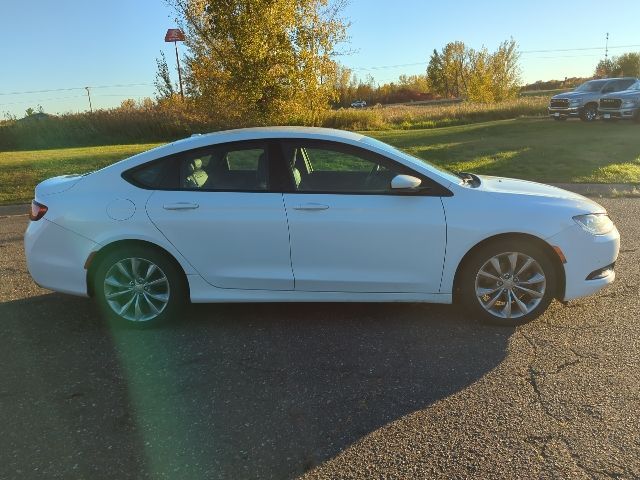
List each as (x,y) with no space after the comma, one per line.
(358,104)
(623,105)
(293,214)
(583,101)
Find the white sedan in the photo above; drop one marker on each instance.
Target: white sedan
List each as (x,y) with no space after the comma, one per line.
(311,215)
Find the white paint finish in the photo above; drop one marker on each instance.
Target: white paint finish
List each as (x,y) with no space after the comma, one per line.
(203,292)
(121,209)
(56,256)
(585,253)
(357,244)
(234,240)
(366,243)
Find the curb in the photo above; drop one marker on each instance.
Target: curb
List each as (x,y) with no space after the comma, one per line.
(13,210)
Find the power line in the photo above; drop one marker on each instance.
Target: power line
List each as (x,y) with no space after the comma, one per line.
(79,88)
(380,67)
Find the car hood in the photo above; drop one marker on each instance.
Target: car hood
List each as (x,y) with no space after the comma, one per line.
(573,95)
(57,184)
(539,191)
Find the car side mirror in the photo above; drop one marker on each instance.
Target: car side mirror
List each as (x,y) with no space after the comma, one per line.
(405,182)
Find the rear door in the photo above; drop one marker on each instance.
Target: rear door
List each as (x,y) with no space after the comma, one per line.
(219,210)
(350,232)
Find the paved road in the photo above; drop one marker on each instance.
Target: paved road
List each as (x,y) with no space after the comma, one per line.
(336,391)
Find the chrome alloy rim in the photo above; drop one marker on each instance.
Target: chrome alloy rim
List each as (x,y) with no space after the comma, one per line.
(510,285)
(136,289)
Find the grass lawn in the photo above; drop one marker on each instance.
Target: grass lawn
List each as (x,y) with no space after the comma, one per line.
(532,149)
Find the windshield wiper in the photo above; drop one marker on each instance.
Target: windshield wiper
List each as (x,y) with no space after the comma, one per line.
(470,179)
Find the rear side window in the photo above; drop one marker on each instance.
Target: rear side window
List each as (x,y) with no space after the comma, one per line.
(240,166)
(150,175)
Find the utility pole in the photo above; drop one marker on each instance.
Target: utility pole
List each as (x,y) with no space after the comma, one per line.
(606,48)
(176,35)
(179,74)
(89,95)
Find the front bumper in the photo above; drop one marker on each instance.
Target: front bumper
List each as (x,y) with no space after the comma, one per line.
(586,254)
(56,257)
(564,112)
(620,114)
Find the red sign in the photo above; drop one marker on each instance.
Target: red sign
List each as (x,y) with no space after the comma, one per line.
(174,35)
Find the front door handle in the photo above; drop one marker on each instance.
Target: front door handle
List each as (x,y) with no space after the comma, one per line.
(311,206)
(180,206)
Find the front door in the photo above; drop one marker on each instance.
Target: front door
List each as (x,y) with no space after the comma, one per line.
(350,232)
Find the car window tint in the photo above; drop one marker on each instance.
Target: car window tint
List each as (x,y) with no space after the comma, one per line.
(149,175)
(232,167)
(244,159)
(331,160)
(334,169)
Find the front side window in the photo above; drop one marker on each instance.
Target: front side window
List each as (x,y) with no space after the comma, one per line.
(334,168)
(234,167)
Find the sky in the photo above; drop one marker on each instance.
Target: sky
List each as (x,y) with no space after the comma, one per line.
(63,46)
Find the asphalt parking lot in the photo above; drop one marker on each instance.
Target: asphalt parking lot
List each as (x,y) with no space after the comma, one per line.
(326,390)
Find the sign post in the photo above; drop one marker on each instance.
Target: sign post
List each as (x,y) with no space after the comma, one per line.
(176,35)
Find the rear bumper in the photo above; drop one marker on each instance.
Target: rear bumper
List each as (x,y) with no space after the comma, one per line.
(56,257)
(585,254)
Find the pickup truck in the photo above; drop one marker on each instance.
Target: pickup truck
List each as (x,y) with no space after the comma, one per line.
(621,105)
(583,101)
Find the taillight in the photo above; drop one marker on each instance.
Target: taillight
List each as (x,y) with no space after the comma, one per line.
(37,210)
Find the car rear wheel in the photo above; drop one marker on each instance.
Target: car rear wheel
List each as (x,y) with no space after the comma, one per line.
(589,113)
(508,283)
(139,287)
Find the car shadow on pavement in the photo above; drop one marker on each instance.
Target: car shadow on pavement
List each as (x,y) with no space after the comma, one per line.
(230,391)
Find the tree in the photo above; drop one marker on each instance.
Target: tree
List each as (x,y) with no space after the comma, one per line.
(164,87)
(477,75)
(261,61)
(627,64)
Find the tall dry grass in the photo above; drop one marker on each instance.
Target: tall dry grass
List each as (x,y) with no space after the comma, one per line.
(149,122)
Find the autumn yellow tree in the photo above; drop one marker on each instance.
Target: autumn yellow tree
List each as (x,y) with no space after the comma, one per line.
(476,75)
(258,62)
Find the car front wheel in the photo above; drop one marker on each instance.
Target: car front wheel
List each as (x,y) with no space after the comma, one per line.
(589,113)
(508,284)
(139,287)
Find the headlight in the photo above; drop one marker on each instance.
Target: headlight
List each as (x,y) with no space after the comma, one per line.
(629,103)
(595,223)
(574,102)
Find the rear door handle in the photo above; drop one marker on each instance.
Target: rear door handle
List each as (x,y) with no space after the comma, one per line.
(311,206)
(180,206)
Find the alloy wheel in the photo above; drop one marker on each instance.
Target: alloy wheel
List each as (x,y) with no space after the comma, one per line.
(510,285)
(136,289)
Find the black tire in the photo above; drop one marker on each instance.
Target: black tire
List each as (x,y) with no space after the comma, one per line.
(589,113)
(466,287)
(165,281)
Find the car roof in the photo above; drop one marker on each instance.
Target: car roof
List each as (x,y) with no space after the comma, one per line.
(257,133)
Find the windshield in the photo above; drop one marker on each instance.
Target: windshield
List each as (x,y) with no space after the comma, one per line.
(393,150)
(591,86)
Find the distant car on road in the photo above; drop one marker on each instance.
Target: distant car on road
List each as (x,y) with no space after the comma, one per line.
(583,101)
(621,105)
(292,214)
(358,104)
